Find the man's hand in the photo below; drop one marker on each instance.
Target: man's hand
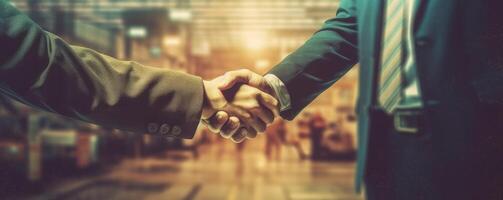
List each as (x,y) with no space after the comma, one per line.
(244,76)
(259,104)
(250,106)
(213,116)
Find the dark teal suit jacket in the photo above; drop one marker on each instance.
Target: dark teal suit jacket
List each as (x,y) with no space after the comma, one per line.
(453,55)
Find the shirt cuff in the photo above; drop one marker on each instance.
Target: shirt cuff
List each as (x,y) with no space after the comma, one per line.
(280,90)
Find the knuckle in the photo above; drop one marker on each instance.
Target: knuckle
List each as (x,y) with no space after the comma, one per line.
(232,125)
(222,117)
(233,122)
(225,134)
(275,102)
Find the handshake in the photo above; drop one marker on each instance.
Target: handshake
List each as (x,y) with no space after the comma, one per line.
(238,105)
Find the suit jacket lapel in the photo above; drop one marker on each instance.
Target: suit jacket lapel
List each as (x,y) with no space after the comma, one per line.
(417,3)
(419,6)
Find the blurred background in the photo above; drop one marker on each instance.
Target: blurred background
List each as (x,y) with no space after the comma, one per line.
(43,156)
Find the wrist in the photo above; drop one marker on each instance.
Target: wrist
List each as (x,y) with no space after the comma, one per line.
(213,99)
(207,110)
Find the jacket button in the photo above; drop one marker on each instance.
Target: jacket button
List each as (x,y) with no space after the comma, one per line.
(164,129)
(176,131)
(152,127)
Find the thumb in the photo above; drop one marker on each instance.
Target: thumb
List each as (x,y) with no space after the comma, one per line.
(231,78)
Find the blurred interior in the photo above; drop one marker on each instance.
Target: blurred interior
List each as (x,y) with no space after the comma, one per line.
(43,156)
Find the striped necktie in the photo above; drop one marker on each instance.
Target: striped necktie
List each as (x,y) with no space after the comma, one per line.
(390,76)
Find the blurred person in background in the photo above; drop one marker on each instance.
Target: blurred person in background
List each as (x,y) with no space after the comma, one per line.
(338,143)
(429,105)
(303,125)
(240,146)
(317,127)
(39,69)
(301,138)
(275,136)
(293,139)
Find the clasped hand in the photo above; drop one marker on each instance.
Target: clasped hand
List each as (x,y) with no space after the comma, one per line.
(238,105)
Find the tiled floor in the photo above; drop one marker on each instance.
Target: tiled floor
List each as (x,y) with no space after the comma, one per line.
(222,174)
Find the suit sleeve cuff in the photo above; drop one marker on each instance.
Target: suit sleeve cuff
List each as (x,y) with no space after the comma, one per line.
(193,116)
(280,91)
(181,116)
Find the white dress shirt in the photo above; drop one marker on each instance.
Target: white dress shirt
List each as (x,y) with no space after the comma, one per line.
(279,88)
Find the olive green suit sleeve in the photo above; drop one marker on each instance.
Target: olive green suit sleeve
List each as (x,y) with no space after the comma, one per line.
(43,71)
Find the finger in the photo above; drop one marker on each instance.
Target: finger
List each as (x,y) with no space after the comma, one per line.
(269,101)
(217,121)
(250,134)
(230,127)
(264,114)
(240,135)
(257,124)
(233,77)
(214,95)
(247,118)
(238,76)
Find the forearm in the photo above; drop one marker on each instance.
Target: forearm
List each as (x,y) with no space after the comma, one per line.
(321,61)
(42,70)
